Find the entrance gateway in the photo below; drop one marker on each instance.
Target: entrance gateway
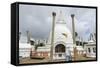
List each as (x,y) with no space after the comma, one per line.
(60,51)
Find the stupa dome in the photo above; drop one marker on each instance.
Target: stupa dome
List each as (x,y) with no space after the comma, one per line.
(61,32)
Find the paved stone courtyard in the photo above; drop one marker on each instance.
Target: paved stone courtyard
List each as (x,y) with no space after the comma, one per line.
(28,60)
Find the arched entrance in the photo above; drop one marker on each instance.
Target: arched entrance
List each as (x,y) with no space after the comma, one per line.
(60,48)
(60,51)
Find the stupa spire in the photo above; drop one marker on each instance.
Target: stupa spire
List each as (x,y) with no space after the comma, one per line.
(60,19)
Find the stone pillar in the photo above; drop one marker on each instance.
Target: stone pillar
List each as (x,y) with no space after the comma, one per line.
(28,37)
(73,28)
(74,42)
(52,35)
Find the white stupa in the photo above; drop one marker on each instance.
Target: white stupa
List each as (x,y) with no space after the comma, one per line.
(63,42)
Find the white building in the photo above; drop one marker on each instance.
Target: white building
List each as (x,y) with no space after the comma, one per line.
(90,48)
(25,47)
(24,50)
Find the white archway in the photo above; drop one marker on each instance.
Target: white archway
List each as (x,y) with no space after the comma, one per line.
(59,50)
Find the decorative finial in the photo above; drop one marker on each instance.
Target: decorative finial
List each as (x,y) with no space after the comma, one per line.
(72,15)
(54,13)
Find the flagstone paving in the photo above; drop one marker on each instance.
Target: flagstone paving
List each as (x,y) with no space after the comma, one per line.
(28,60)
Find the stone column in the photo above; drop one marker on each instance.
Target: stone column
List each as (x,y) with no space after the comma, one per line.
(28,37)
(74,42)
(52,35)
(73,28)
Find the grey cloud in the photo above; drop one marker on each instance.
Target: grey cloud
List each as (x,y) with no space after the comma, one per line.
(38,19)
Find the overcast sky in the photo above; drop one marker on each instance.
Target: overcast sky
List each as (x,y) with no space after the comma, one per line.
(38,20)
